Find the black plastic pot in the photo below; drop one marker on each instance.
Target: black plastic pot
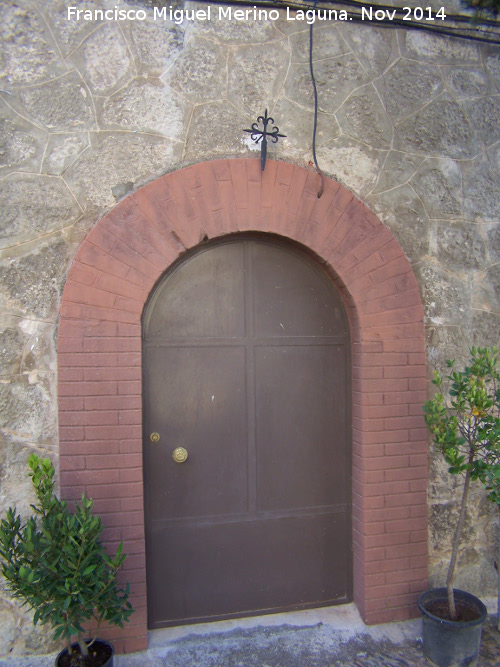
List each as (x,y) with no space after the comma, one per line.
(109,662)
(452,643)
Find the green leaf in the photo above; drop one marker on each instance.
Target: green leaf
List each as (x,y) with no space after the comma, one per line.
(55,562)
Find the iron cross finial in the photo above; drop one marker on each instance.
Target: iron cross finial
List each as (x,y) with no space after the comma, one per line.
(257,135)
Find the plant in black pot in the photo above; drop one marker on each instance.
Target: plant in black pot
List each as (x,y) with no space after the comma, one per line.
(56,564)
(463,418)
(491,481)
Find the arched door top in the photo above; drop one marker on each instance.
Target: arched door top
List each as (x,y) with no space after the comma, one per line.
(99,349)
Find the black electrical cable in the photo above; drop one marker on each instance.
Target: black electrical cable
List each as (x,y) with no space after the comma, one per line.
(315,90)
(298,4)
(471,32)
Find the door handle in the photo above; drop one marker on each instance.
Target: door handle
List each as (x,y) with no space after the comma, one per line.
(179,454)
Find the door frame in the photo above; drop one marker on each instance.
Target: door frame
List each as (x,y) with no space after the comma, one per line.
(99,361)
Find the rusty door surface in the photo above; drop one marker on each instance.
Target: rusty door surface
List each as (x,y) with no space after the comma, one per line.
(246,370)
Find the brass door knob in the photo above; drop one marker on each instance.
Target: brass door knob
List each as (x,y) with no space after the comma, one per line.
(179,454)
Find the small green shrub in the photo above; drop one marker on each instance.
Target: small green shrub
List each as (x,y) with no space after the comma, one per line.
(464,423)
(56,564)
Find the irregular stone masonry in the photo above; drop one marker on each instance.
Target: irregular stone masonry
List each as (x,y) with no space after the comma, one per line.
(408,123)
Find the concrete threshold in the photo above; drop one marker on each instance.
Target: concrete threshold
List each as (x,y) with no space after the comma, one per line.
(325,637)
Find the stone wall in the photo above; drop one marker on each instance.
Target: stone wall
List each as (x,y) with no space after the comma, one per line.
(92,110)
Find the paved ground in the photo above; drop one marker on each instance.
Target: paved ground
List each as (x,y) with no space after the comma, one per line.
(289,646)
(334,637)
(281,646)
(490,646)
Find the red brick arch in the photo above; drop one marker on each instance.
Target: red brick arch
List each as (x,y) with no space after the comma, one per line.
(99,357)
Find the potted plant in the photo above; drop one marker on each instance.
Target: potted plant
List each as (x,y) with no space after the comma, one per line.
(57,565)
(464,422)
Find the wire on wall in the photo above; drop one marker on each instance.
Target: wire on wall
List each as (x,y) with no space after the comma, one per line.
(453,25)
(315,91)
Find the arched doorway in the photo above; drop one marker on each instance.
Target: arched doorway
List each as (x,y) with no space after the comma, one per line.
(100,361)
(246,367)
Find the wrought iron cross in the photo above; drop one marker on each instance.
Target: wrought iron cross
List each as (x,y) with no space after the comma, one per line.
(258,135)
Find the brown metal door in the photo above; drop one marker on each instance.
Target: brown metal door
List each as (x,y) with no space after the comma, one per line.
(246,368)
